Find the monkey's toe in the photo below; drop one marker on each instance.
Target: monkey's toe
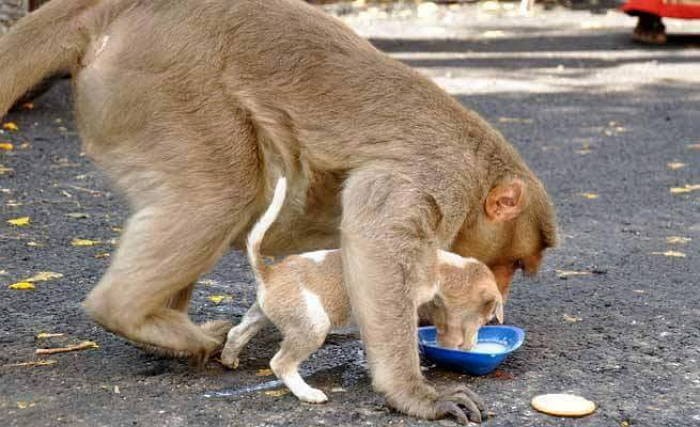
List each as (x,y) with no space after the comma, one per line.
(217,329)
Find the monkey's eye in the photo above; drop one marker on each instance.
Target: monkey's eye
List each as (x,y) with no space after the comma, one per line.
(518,264)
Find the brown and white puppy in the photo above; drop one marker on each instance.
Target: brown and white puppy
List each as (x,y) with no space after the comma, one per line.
(304,297)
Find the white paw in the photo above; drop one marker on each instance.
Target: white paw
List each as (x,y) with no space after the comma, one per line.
(229,360)
(313,395)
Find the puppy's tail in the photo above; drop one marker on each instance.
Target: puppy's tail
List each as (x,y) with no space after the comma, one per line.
(257,234)
(45,42)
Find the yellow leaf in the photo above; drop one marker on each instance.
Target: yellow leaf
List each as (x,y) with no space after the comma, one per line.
(22,286)
(571,319)
(24,404)
(687,188)
(264,372)
(11,126)
(675,165)
(672,254)
(217,299)
(35,244)
(677,240)
(84,242)
(102,255)
(43,276)
(589,196)
(277,393)
(6,146)
(4,170)
(19,222)
(45,335)
(514,120)
(31,364)
(571,273)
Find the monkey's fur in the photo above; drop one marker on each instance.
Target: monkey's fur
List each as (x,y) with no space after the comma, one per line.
(193,107)
(303,295)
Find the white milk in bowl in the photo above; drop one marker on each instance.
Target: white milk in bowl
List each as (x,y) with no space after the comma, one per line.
(488,348)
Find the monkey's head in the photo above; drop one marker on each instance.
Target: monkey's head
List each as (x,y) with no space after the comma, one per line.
(467,298)
(514,227)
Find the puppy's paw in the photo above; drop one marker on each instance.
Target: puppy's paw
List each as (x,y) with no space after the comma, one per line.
(229,358)
(313,395)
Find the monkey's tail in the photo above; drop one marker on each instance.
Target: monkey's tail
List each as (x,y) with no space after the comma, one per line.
(43,43)
(257,234)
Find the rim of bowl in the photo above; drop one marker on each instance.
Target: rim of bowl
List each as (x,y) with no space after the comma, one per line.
(519,339)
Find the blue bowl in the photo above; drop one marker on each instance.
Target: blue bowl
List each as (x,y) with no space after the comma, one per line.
(467,361)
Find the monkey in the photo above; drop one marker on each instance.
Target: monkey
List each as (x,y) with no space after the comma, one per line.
(193,108)
(303,296)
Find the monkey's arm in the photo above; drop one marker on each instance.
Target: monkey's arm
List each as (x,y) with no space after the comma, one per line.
(389,246)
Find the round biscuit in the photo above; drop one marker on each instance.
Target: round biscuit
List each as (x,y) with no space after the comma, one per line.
(563,405)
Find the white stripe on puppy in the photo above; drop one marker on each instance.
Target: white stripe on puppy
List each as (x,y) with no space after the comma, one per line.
(315,310)
(316,256)
(454,260)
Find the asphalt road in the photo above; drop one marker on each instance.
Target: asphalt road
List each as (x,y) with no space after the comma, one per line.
(611,127)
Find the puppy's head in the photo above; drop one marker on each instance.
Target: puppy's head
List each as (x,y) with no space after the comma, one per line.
(467,298)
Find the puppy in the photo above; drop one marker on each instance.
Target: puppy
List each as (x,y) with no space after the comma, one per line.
(303,296)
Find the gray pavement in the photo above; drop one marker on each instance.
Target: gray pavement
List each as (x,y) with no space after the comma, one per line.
(611,127)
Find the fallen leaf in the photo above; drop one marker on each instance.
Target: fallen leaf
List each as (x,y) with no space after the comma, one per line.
(84,242)
(671,254)
(31,364)
(590,196)
(514,120)
(19,222)
(563,274)
(677,240)
(266,372)
(571,319)
(676,165)
(78,215)
(22,286)
(85,345)
(24,404)
(35,244)
(45,335)
(6,146)
(4,170)
(217,299)
(687,188)
(277,393)
(102,255)
(502,375)
(11,126)
(25,145)
(116,390)
(43,276)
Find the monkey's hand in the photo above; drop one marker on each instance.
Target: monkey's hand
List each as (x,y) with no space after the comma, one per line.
(425,402)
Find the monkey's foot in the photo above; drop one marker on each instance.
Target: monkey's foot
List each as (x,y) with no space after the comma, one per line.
(461,403)
(217,329)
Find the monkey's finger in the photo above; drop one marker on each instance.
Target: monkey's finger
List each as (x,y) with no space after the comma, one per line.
(444,408)
(470,407)
(477,400)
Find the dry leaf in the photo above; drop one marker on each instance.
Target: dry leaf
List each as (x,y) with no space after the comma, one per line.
(84,242)
(217,299)
(675,165)
(6,146)
(4,170)
(266,372)
(571,273)
(85,345)
(11,126)
(22,286)
(687,188)
(19,222)
(78,215)
(514,120)
(31,364)
(572,319)
(677,240)
(35,244)
(590,196)
(45,335)
(671,254)
(43,276)
(102,255)
(24,404)
(277,393)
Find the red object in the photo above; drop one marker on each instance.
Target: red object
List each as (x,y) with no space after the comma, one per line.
(683,9)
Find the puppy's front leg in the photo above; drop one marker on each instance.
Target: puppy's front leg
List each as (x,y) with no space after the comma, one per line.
(253,321)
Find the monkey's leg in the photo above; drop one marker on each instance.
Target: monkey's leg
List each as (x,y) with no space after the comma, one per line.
(253,321)
(296,347)
(163,250)
(181,300)
(389,245)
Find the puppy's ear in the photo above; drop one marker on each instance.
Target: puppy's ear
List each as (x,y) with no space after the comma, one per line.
(498,312)
(505,201)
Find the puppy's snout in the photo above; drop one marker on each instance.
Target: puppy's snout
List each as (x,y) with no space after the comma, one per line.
(450,341)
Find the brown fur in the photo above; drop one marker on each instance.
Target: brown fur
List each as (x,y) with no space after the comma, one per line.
(193,107)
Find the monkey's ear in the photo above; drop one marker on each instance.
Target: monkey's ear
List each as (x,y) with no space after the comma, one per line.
(505,201)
